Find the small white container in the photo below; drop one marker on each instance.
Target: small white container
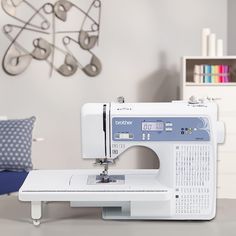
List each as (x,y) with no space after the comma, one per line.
(205,34)
(219,48)
(212,45)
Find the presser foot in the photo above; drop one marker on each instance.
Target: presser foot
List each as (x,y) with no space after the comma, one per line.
(108,178)
(104,177)
(113,179)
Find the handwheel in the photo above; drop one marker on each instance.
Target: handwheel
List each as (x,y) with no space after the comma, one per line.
(36,222)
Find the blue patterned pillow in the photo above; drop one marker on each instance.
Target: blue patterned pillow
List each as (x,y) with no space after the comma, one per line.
(15,144)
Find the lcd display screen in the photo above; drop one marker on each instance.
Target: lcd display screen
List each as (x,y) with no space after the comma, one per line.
(152,126)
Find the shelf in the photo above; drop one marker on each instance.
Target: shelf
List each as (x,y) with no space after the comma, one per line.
(209,58)
(210,84)
(189,64)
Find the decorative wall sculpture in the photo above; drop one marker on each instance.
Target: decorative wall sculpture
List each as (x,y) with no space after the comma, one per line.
(36,36)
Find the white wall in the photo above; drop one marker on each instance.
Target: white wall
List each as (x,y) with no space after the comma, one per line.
(140,47)
(231,27)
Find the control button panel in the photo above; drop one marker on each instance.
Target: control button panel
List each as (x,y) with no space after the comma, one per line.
(123,136)
(187,131)
(146,136)
(169,129)
(160,129)
(169,124)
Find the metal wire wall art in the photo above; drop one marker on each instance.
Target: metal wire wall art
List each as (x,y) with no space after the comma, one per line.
(62,34)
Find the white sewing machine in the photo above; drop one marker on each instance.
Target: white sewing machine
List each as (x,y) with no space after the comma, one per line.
(184,137)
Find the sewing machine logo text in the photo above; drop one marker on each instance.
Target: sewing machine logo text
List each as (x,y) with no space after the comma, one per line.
(123,122)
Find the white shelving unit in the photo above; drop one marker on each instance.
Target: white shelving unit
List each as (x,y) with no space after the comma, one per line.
(225,95)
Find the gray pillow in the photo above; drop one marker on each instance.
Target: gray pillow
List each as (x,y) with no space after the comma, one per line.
(15,144)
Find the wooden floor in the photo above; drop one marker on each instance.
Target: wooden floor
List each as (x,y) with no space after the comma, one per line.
(60,219)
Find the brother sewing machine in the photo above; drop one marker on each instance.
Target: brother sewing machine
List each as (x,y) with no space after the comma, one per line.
(184,136)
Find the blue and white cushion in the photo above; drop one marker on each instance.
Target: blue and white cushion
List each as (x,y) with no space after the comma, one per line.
(15,144)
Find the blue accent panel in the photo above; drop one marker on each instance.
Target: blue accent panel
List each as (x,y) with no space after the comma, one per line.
(11,181)
(160,129)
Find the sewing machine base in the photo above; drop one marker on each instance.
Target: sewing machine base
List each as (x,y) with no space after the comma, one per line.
(123,211)
(140,197)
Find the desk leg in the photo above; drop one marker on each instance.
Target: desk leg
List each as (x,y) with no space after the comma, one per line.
(36,212)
